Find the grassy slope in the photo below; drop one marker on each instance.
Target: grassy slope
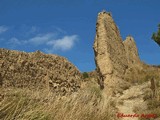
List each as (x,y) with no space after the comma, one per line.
(153,102)
(24,104)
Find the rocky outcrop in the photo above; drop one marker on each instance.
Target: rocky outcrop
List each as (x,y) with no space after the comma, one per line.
(110,55)
(117,61)
(135,66)
(38,70)
(131,52)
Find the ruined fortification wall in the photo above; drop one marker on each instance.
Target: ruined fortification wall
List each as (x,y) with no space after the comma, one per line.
(117,61)
(110,56)
(38,70)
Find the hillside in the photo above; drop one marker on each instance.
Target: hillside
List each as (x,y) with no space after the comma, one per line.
(38,86)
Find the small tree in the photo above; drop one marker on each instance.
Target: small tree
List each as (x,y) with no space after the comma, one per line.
(156,36)
(85,75)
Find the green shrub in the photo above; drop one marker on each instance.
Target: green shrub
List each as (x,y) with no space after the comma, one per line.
(85,75)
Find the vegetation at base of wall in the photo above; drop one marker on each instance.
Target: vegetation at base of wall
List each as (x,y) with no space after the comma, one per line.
(140,76)
(85,75)
(153,102)
(25,104)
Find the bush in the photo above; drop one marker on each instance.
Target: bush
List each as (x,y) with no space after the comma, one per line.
(85,75)
(156,36)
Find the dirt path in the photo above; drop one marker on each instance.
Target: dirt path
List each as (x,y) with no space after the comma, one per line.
(130,99)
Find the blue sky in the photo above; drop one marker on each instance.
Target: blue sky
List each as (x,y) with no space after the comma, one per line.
(67,27)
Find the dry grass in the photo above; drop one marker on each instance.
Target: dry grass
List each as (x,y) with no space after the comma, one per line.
(139,76)
(24,104)
(152,94)
(153,102)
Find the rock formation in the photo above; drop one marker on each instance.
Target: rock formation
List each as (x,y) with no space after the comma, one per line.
(117,61)
(135,66)
(131,52)
(110,55)
(38,70)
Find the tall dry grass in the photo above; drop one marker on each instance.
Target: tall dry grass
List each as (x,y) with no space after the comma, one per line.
(24,104)
(152,99)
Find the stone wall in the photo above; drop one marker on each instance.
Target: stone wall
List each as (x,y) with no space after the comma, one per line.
(38,70)
(135,66)
(131,52)
(117,61)
(110,56)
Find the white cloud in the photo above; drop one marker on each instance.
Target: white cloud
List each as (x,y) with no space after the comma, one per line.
(3,29)
(66,43)
(60,30)
(41,39)
(49,42)
(15,41)
(32,30)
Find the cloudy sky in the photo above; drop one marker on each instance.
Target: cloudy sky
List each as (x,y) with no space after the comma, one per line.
(67,27)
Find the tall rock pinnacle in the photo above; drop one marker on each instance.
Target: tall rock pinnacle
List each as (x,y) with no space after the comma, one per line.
(110,56)
(117,61)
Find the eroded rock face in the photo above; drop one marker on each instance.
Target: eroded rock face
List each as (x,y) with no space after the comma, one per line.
(110,56)
(131,52)
(135,66)
(118,63)
(38,70)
